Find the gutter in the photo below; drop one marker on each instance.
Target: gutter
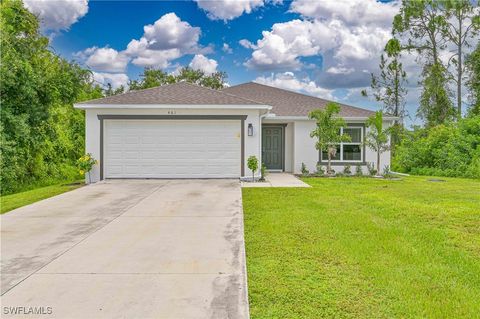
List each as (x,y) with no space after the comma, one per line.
(171,106)
(306,118)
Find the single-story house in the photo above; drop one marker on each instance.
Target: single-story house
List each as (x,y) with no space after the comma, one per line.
(184,130)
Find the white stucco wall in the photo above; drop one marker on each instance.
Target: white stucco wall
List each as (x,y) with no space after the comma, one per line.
(289,147)
(304,150)
(92,132)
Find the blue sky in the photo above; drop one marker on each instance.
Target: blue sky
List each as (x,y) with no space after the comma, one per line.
(322,48)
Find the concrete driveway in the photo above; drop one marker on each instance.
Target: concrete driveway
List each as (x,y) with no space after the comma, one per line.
(128,249)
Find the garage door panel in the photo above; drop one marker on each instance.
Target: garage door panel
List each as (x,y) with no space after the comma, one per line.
(172,149)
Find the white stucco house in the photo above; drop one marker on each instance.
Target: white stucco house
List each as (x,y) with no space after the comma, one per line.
(184,130)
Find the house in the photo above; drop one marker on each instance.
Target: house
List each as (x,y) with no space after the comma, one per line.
(183,130)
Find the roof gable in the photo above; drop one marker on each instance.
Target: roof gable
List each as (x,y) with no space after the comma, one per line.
(289,103)
(181,93)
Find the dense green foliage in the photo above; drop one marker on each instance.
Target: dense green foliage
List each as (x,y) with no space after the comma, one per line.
(154,77)
(41,133)
(364,248)
(473,83)
(451,149)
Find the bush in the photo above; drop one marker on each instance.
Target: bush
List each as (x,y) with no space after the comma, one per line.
(304,170)
(252,164)
(451,149)
(320,170)
(347,170)
(358,170)
(371,169)
(263,172)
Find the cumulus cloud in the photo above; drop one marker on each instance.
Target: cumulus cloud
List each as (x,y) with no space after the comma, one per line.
(167,39)
(104,59)
(349,36)
(247,44)
(289,81)
(115,79)
(352,12)
(226,48)
(201,62)
(281,47)
(228,9)
(57,15)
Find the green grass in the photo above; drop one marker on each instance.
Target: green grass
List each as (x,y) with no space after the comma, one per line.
(364,248)
(9,202)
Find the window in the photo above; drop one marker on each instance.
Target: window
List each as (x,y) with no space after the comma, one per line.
(348,151)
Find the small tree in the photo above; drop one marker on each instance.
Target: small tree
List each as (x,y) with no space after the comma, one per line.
(252,164)
(328,130)
(377,137)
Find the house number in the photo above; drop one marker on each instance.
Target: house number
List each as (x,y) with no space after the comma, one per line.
(172,112)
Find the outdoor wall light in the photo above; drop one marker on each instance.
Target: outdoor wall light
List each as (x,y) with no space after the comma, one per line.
(250,129)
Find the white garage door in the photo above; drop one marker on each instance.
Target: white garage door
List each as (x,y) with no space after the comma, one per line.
(172,148)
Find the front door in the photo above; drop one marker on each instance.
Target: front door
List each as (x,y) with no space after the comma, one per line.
(272,147)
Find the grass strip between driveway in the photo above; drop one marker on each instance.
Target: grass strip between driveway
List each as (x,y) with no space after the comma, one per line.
(364,248)
(13,201)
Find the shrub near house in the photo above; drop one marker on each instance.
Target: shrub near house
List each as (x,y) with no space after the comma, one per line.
(451,149)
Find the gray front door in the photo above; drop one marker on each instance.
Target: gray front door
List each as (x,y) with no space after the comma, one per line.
(272,147)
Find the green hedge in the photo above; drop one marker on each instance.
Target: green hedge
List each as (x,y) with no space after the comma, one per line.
(41,134)
(452,150)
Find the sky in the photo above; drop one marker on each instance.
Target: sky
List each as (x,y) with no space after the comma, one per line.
(324,48)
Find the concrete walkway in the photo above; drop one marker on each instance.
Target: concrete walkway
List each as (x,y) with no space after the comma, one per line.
(278,180)
(128,249)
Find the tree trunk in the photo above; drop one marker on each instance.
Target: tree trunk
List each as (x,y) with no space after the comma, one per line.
(378,162)
(459,71)
(329,167)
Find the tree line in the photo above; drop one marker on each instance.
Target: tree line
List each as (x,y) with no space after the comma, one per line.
(443,37)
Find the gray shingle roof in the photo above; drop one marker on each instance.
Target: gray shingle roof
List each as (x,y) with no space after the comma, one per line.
(288,103)
(177,93)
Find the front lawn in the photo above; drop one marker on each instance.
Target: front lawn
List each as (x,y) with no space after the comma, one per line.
(9,202)
(364,248)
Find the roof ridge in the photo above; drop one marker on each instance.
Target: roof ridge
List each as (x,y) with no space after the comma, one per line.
(174,98)
(128,92)
(225,93)
(301,94)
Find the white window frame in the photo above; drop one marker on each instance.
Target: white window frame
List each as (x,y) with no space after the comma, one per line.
(348,143)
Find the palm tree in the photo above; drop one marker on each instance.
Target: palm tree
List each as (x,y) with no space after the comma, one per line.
(328,130)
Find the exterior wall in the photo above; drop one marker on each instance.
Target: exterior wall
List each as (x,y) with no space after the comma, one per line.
(304,150)
(289,147)
(92,129)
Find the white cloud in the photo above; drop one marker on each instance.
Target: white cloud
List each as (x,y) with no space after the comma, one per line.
(288,81)
(340,70)
(57,14)
(104,59)
(201,62)
(115,79)
(167,39)
(349,36)
(281,47)
(247,44)
(227,49)
(228,9)
(352,12)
